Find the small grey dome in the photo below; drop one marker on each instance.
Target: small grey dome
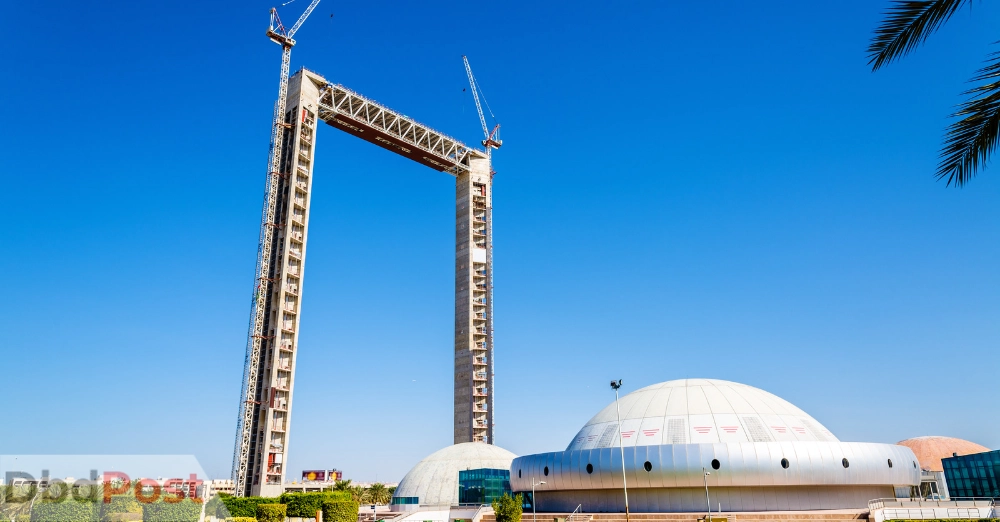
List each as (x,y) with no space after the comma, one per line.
(434,480)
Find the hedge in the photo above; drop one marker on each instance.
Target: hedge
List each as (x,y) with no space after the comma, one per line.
(340,511)
(305,505)
(271,512)
(183,511)
(65,511)
(242,507)
(121,508)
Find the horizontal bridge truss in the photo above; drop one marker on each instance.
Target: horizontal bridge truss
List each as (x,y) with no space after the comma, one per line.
(375,123)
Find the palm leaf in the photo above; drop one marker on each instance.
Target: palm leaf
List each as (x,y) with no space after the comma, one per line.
(971,140)
(907,24)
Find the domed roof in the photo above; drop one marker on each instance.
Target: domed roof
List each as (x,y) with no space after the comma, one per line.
(434,480)
(694,411)
(930,450)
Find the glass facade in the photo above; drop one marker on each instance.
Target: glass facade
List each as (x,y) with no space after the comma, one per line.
(405,500)
(481,486)
(976,475)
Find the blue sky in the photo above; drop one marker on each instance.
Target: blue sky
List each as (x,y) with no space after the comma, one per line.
(713,190)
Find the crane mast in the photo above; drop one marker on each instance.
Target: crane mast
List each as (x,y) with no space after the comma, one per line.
(247,454)
(491,140)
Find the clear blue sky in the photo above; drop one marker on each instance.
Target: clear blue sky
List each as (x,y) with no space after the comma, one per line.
(698,190)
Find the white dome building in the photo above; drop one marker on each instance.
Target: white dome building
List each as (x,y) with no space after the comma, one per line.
(434,480)
(762,453)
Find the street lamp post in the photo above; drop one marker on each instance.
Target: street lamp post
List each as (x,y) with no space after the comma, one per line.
(707,501)
(534,510)
(621,447)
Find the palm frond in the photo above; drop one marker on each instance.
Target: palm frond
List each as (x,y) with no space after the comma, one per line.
(907,24)
(971,140)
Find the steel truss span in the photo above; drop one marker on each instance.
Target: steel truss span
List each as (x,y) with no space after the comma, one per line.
(272,348)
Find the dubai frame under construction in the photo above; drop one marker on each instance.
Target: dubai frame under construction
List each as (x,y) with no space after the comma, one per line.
(273,340)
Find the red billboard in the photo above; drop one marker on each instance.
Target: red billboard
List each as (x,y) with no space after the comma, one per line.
(314,475)
(322,475)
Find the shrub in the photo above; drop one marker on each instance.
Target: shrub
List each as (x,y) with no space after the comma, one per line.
(241,519)
(271,512)
(183,511)
(121,508)
(340,511)
(243,507)
(507,508)
(65,511)
(305,505)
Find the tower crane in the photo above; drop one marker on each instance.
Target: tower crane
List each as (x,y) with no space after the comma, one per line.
(492,139)
(250,402)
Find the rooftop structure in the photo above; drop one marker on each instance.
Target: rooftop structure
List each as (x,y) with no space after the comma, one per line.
(930,450)
(761,453)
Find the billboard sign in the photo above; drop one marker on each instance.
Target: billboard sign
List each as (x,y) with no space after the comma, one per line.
(315,475)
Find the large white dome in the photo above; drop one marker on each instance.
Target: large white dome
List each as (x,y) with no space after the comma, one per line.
(693,411)
(434,480)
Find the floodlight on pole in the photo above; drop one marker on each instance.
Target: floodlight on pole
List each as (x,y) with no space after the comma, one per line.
(707,501)
(621,447)
(534,511)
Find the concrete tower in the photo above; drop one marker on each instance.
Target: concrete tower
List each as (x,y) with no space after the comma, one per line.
(474,304)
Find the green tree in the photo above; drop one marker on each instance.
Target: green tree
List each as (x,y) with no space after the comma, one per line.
(342,485)
(970,141)
(507,508)
(379,494)
(359,494)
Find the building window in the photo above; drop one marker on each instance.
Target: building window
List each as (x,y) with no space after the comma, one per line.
(890,463)
(845,463)
(784,463)
(482,486)
(396,501)
(590,468)
(546,471)
(648,466)
(518,473)
(716,464)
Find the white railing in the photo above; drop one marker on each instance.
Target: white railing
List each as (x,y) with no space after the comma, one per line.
(883,509)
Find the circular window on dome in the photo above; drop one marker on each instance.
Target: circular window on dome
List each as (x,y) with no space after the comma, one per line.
(890,463)
(914,464)
(716,464)
(648,466)
(546,471)
(845,463)
(590,468)
(518,473)
(784,463)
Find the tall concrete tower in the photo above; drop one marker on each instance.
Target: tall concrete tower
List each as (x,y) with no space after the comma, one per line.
(474,304)
(269,375)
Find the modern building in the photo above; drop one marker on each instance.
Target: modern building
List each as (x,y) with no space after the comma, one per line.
(976,475)
(482,486)
(752,451)
(266,395)
(436,481)
(929,452)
